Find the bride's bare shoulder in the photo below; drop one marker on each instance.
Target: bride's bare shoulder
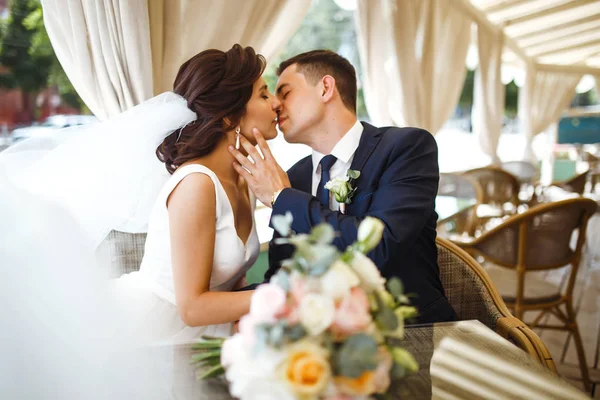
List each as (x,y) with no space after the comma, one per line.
(192,191)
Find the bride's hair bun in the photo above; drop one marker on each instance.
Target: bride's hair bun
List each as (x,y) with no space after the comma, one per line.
(217,86)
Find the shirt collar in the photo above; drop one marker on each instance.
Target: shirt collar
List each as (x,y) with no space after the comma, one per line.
(344,149)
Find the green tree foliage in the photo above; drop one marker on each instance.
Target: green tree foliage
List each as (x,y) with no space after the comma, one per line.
(25,70)
(28,57)
(42,47)
(326,26)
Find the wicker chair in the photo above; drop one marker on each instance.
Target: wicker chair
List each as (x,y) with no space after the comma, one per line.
(524,171)
(538,240)
(528,175)
(472,294)
(124,251)
(575,184)
(460,187)
(499,187)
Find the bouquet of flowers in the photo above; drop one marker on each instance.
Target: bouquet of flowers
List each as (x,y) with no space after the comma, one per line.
(324,327)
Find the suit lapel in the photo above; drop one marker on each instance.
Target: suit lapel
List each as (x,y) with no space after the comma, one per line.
(368,142)
(304,177)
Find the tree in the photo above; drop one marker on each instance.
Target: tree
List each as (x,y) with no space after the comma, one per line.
(42,47)
(326,26)
(23,70)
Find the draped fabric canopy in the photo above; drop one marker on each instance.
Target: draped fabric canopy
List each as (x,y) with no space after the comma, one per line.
(489,92)
(416,77)
(104,48)
(542,100)
(181,28)
(119,53)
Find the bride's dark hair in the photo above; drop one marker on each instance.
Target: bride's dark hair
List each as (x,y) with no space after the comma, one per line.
(217,86)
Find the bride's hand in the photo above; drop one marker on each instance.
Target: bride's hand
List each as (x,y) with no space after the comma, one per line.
(264,176)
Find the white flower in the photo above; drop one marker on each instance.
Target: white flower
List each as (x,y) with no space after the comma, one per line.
(370,232)
(338,280)
(263,389)
(368,273)
(232,350)
(340,188)
(317,313)
(248,366)
(336,183)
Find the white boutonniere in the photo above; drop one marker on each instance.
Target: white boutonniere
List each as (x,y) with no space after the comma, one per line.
(342,188)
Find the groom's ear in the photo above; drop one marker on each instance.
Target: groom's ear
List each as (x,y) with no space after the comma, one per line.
(327,88)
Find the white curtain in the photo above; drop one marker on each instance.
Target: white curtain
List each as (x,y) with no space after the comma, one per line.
(119,53)
(104,47)
(542,99)
(181,28)
(416,77)
(489,92)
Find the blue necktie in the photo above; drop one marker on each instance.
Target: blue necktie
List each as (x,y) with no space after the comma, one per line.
(322,193)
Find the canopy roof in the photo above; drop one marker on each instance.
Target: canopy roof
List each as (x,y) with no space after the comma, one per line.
(555,33)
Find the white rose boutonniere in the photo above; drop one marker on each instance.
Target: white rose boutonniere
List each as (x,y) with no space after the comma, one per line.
(342,188)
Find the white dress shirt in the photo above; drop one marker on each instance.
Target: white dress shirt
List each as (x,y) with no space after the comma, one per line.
(344,152)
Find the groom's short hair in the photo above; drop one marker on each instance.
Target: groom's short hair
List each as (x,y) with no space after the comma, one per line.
(314,65)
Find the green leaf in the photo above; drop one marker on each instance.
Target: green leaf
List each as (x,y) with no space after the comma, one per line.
(386,319)
(295,333)
(356,356)
(262,336)
(353,174)
(395,287)
(322,256)
(405,359)
(348,255)
(210,362)
(282,279)
(282,223)
(204,356)
(350,195)
(208,344)
(276,335)
(208,338)
(213,372)
(322,234)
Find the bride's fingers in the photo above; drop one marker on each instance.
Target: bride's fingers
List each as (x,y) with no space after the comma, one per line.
(251,150)
(241,159)
(262,144)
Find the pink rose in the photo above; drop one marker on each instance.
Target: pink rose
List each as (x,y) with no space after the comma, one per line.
(352,314)
(381,378)
(298,289)
(291,314)
(268,301)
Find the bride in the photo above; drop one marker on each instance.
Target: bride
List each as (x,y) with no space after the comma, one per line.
(201,236)
(201,233)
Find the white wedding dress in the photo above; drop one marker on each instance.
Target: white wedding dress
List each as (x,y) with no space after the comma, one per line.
(148,295)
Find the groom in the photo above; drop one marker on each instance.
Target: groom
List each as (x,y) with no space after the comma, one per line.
(398,177)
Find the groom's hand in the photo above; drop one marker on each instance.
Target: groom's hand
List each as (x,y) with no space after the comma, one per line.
(264,175)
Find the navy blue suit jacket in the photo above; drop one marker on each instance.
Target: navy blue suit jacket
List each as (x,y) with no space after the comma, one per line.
(398,183)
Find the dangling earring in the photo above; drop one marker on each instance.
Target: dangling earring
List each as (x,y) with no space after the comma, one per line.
(237,138)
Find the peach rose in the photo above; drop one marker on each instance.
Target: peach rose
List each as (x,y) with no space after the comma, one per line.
(352,314)
(381,377)
(307,370)
(362,386)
